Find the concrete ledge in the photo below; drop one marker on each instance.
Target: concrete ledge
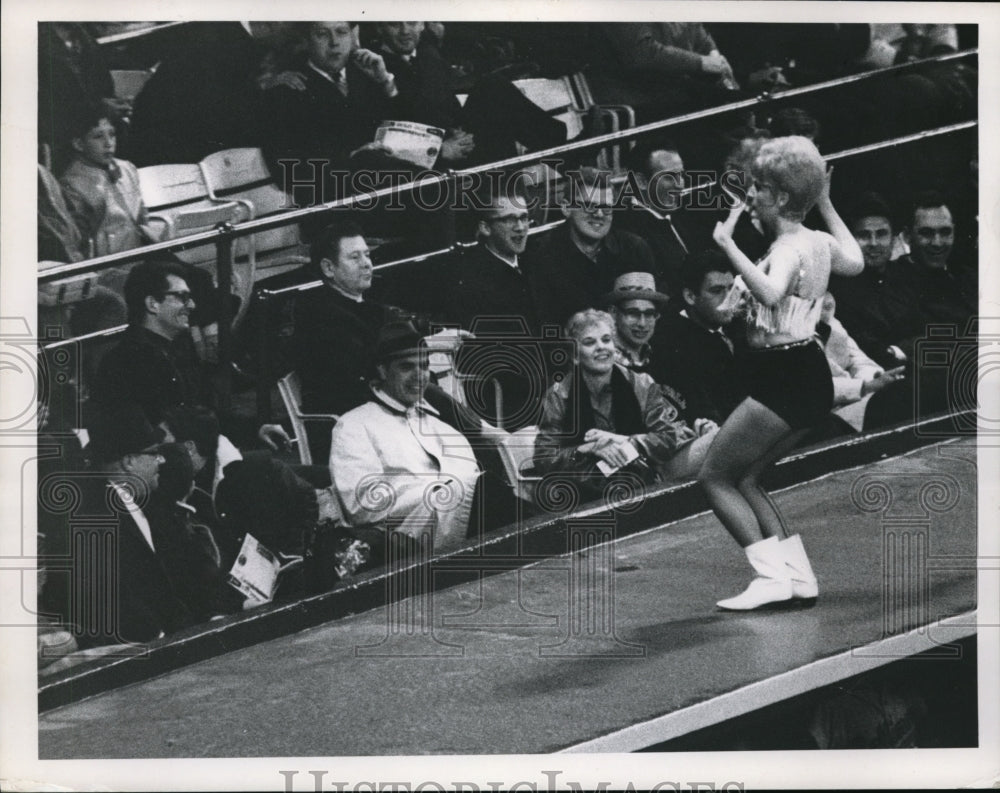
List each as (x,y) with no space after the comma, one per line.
(511,548)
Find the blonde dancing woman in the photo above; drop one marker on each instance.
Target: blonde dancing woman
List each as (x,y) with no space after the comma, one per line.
(788,378)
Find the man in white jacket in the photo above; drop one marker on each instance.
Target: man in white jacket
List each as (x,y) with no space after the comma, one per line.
(394,462)
(856,377)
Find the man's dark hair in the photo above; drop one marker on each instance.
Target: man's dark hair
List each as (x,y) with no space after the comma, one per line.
(925,199)
(794,121)
(638,160)
(699,264)
(869,205)
(86,118)
(300,30)
(194,423)
(148,279)
(326,244)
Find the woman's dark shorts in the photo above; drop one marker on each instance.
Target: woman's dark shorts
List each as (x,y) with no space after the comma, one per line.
(791,380)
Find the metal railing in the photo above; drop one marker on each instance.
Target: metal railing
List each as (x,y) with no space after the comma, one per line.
(224,235)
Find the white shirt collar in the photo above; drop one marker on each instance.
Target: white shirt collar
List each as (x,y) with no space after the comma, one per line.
(355,298)
(137,515)
(510,262)
(332,78)
(422,405)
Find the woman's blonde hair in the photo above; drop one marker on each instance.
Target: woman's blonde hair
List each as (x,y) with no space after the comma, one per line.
(582,320)
(794,166)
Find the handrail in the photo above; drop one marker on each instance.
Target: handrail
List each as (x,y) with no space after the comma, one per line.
(286,218)
(867,148)
(268,293)
(656,126)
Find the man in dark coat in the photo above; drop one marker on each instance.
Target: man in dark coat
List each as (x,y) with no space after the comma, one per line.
(578,262)
(694,343)
(107,579)
(496,115)
(332,117)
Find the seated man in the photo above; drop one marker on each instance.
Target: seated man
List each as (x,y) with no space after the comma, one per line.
(577,263)
(129,594)
(394,462)
(863,303)
(929,288)
(856,377)
(662,68)
(155,365)
(495,116)
(658,214)
(696,349)
(332,117)
(336,329)
(489,293)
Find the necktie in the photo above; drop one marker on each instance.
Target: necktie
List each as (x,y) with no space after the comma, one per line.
(342,82)
(722,335)
(677,236)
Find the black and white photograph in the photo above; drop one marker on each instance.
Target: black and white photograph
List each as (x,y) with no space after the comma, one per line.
(541,396)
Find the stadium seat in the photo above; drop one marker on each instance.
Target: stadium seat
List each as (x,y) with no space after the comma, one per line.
(129,82)
(242,175)
(517,451)
(291,394)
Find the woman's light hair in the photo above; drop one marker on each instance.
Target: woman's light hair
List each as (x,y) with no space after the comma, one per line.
(582,320)
(793,165)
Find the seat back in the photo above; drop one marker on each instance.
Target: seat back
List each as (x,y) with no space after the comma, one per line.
(517,451)
(555,95)
(290,389)
(166,187)
(129,82)
(242,175)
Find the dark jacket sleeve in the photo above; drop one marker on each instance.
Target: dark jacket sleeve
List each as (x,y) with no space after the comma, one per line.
(665,432)
(554,451)
(638,47)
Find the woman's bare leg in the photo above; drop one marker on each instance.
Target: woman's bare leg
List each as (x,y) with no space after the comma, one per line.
(769,517)
(750,433)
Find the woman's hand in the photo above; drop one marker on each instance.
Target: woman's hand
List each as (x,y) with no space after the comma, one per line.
(616,450)
(601,438)
(723,232)
(704,426)
(824,196)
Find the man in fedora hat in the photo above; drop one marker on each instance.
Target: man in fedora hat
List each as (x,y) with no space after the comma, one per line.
(106,579)
(393,461)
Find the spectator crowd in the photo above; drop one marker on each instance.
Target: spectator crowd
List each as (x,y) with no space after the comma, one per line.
(605,345)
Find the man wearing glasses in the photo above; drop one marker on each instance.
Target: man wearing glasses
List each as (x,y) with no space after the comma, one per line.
(579,261)
(155,366)
(108,580)
(635,305)
(490,295)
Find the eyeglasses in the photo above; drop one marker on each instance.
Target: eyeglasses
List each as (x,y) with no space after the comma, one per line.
(597,209)
(636,314)
(183,295)
(511,220)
